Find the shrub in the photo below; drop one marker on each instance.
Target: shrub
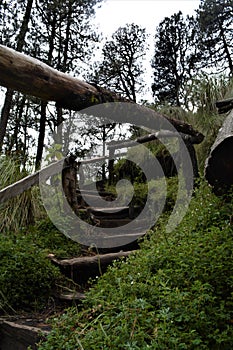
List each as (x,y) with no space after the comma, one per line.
(27,277)
(47,237)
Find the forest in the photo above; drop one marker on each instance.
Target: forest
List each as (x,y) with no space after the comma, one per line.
(115,212)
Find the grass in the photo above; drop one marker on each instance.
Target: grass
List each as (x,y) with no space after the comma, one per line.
(22,210)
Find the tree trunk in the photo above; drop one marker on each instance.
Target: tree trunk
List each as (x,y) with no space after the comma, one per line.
(226,50)
(31,76)
(219,165)
(9,94)
(41,136)
(18,119)
(5,115)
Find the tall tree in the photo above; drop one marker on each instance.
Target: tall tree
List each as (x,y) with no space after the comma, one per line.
(66,40)
(175,58)
(121,68)
(57,32)
(20,40)
(216,29)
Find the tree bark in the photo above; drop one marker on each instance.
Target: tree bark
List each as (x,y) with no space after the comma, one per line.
(219,165)
(5,115)
(224,106)
(31,76)
(19,336)
(151,137)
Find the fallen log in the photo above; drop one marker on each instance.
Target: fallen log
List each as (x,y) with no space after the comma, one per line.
(224,106)
(33,77)
(219,164)
(151,137)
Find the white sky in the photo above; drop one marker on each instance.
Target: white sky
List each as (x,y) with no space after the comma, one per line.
(146,13)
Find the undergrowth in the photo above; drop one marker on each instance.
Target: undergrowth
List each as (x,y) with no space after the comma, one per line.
(27,277)
(175,293)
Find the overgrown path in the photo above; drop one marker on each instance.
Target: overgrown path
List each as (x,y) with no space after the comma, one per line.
(19,332)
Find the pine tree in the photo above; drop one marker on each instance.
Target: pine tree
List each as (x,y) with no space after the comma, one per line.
(121,69)
(175,58)
(216,29)
(65,41)
(19,44)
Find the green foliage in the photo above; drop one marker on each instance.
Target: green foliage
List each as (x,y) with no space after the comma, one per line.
(215,21)
(175,58)
(27,277)
(121,70)
(174,293)
(205,92)
(152,191)
(47,237)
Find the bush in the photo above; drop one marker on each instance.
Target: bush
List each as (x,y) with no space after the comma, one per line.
(175,293)
(27,277)
(47,237)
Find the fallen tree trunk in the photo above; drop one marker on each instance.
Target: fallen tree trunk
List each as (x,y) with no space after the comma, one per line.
(152,137)
(219,165)
(33,77)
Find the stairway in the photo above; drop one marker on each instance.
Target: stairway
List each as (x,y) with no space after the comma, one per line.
(112,217)
(18,333)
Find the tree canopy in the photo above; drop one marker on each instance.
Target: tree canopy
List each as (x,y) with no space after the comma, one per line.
(175,58)
(121,68)
(215,19)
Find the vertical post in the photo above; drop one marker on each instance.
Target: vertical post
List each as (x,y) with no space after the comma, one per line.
(69,182)
(111,165)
